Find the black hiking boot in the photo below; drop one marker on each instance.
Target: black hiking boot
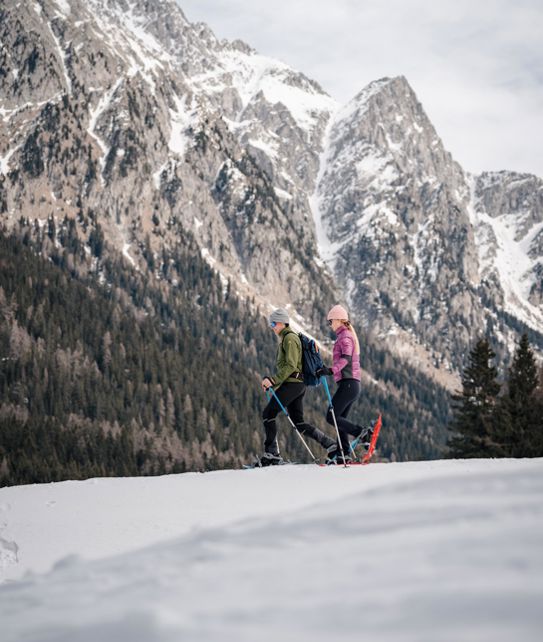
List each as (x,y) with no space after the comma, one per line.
(269,459)
(364,437)
(336,458)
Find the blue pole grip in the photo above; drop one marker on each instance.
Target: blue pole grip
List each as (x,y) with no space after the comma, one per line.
(323,379)
(277,399)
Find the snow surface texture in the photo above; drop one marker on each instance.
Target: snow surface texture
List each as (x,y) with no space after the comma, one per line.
(425,551)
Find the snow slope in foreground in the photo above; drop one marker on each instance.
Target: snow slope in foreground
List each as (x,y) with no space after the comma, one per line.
(426,551)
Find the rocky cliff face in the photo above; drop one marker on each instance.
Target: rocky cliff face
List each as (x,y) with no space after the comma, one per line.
(507,210)
(402,226)
(121,114)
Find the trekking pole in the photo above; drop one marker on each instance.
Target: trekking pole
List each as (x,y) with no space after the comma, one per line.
(292,423)
(323,379)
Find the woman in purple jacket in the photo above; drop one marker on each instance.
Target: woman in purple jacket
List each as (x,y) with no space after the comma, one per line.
(346,372)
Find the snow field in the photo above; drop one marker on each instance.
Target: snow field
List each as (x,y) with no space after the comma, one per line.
(422,551)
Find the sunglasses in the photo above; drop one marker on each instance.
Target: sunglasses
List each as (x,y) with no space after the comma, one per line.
(330,321)
(272,324)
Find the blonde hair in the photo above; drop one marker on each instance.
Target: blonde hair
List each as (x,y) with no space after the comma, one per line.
(349,327)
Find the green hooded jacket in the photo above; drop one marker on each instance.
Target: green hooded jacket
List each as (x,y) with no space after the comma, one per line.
(289,358)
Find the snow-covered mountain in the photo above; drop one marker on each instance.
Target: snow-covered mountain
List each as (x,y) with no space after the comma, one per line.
(126,109)
(508,218)
(441,551)
(424,252)
(123,114)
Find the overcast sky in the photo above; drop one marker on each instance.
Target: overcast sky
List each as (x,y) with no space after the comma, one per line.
(476,65)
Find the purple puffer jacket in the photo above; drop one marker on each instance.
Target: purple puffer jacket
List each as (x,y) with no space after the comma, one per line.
(346,359)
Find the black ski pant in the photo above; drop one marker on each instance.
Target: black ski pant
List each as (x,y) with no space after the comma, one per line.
(347,393)
(291,396)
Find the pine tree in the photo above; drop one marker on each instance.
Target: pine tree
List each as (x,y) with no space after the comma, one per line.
(474,408)
(534,445)
(522,383)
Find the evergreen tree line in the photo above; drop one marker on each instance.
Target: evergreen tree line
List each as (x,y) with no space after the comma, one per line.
(168,373)
(109,370)
(491,419)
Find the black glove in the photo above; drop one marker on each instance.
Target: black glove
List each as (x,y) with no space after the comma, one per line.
(324,372)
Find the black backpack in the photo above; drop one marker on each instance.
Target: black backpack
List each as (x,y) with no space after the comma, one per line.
(311,360)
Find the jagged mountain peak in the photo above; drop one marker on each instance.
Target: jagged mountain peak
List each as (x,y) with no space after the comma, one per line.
(391,130)
(504,191)
(377,95)
(372,89)
(147,10)
(238,45)
(507,211)
(394,210)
